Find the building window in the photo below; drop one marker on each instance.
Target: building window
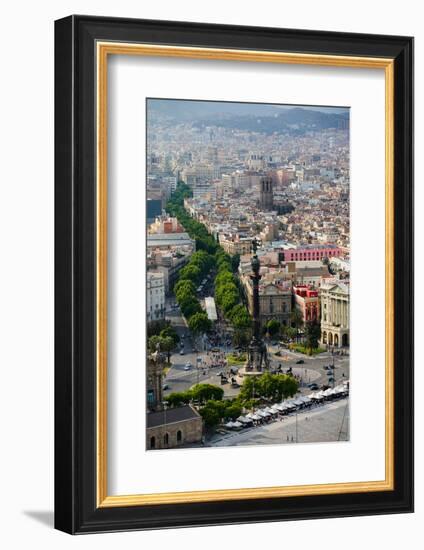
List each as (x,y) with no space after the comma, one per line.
(166,439)
(150,397)
(179,436)
(152,442)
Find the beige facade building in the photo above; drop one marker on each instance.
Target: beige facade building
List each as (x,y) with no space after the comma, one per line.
(335,314)
(233,244)
(275,300)
(173,428)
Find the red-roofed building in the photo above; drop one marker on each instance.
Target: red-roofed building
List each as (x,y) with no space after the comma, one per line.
(306,301)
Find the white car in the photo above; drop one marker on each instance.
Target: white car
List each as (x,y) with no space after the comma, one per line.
(187,366)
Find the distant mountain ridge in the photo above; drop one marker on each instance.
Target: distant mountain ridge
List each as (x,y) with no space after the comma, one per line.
(265,118)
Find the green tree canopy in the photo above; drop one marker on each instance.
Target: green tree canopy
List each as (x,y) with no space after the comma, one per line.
(155,327)
(269,386)
(199,323)
(206,392)
(190,307)
(211,415)
(190,272)
(233,411)
(312,334)
(296,318)
(184,284)
(171,332)
(177,399)
(273,327)
(240,317)
(163,343)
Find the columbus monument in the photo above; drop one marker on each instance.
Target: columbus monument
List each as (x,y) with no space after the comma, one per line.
(257,355)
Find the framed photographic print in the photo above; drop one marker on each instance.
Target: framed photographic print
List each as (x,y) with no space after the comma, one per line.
(233,274)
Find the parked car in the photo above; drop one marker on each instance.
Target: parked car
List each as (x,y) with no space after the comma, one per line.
(182,352)
(331,379)
(300,362)
(313,386)
(165,387)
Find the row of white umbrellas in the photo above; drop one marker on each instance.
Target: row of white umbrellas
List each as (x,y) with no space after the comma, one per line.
(286,405)
(330,391)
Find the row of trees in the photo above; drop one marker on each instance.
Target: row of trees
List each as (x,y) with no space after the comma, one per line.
(268,386)
(200,393)
(227,293)
(185,292)
(195,229)
(199,265)
(209,253)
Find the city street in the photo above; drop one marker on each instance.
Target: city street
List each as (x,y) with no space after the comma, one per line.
(311,371)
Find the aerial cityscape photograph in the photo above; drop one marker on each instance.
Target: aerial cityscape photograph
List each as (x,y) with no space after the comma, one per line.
(248,274)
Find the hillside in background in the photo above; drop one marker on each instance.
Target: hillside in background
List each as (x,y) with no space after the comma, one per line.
(253,117)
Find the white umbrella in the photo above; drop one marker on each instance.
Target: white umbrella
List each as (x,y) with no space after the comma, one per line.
(237,425)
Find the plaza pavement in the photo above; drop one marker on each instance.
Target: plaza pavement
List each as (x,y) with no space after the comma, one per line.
(325,423)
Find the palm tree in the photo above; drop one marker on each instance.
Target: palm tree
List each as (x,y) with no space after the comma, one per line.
(296,320)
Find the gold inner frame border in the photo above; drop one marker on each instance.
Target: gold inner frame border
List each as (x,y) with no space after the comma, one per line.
(103,50)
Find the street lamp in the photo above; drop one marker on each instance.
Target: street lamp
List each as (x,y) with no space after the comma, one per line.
(296,427)
(165,404)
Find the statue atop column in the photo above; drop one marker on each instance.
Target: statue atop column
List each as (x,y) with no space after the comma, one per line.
(155,365)
(258,360)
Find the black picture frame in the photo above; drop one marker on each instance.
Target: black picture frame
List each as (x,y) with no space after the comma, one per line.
(76,510)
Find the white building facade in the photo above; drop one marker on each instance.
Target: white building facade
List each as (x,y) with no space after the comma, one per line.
(335,314)
(155,296)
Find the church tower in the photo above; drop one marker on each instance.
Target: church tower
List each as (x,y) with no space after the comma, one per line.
(266,200)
